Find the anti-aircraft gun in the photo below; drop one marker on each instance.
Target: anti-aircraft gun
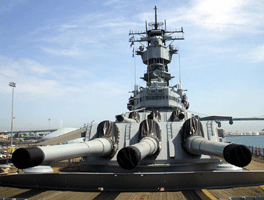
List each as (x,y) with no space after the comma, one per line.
(158,145)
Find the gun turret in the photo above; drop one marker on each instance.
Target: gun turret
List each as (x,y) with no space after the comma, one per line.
(132,118)
(177,114)
(105,145)
(149,140)
(123,119)
(155,115)
(194,143)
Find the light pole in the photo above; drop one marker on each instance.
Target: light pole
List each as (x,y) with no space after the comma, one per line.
(49,124)
(13,85)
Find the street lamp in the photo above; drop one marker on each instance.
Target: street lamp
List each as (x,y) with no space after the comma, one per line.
(13,85)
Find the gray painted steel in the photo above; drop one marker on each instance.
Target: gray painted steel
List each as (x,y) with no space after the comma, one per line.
(147,146)
(98,146)
(127,120)
(198,145)
(169,181)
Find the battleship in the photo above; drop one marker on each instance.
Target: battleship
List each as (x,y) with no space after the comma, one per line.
(158,145)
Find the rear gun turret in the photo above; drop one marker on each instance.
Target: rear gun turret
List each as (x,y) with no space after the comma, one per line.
(194,143)
(105,145)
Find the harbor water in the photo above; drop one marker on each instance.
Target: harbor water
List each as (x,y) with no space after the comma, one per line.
(255,141)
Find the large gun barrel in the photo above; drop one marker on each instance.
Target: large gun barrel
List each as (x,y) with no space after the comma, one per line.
(30,157)
(238,155)
(149,139)
(129,157)
(105,145)
(193,142)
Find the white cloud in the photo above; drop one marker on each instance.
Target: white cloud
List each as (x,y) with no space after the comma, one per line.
(255,55)
(80,73)
(217,14)
(34,67)
(62,52)
(58,81)
(15,68)
(106,88)
(217,19)
(9,73)
(66,26)
(81,35)
(109,2)
(28,74)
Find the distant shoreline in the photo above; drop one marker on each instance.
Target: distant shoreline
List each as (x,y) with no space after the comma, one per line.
(241,135)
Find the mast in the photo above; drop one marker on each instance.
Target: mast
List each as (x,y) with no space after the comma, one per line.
(156,23)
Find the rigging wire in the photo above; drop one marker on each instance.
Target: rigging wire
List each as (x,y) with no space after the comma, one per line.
(148,69)
(131,68)
(135,69)
(179,69)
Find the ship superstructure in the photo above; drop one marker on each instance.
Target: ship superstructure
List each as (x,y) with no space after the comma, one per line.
(157,95)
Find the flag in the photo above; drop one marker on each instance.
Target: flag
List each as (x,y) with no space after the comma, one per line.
(132,41)
(133,52)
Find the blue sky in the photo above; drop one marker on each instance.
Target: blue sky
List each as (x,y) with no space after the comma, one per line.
(71,60)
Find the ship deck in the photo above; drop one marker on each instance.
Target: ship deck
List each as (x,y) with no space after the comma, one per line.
(32,194)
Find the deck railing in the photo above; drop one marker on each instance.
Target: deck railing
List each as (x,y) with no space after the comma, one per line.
(257,151)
